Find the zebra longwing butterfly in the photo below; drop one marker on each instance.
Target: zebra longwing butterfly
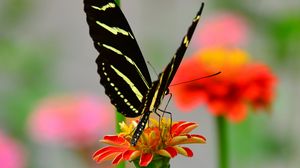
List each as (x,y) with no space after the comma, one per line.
(122,67)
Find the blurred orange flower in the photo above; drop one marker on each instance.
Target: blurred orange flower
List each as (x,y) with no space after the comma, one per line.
(74,120)
(11,153)
(155,141)
(241,83)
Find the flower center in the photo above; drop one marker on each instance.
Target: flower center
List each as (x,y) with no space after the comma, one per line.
(218,57)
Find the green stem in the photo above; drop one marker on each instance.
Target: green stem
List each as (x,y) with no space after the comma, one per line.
(157,162)
(119,118)
(118,2)
(222,140)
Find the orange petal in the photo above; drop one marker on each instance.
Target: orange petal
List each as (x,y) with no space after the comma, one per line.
(109,155)
(194,139)
(115,140)
(145,159)
(184,151)
(152,136)
(118,159)
(178,140)
(168,152)
(177,124)
(108,149)
(184,128)
(131,154)
(189,128)
(237,112)
(200,137)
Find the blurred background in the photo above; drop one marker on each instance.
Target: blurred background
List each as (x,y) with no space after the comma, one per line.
(53,110)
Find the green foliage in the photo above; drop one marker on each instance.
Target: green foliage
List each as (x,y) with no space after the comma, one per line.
(12,12)
(25,70)
(254,141)
(157,162)
(118,2)
(284,32)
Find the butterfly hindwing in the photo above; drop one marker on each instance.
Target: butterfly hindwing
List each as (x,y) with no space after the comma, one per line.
(121,66)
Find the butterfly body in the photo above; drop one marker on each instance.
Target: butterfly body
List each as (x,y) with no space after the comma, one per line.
(121,65)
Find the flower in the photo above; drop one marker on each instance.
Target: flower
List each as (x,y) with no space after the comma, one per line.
(155,142)
(73,120)
(241,82)
(11,153)
(224,29)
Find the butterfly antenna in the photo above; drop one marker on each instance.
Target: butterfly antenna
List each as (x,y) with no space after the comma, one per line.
(196,79)
(152,68)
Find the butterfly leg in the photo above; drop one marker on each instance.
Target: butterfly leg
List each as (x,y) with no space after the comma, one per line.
(152,68)
(159,117)
(164,111)
(167,105)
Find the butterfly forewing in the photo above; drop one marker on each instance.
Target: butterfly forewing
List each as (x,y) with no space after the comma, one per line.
(121,66)
(159,87)
(172,67)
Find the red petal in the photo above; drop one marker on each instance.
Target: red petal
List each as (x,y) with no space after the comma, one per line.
(108,149)
(199,136)
(188,151)
(195,139)
(176,125)
(189,128)
(118,159)
(131,154)
(181,128)
(237,112)
(178,140)
(184,151)
(145,159)
(186,96)
(171,151)
(115,140)
(105,156)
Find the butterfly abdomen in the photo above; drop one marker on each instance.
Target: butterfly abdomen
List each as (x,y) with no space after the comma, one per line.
(140,128)
(121,65)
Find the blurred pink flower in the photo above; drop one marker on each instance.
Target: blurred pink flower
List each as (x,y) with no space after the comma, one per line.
(226,29)
(72,120)
(11,153)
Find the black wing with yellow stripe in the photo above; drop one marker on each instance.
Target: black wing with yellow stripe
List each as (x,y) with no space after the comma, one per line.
(121,65)
(159,87)
(171,69)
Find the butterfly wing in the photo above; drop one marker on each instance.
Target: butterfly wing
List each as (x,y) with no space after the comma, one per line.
(169,72)
(121,66)
(153,97)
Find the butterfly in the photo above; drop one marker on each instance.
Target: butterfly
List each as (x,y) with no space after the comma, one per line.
(121,65)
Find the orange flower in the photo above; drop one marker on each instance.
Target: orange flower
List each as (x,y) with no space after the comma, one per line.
(228,94)
(161,141)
